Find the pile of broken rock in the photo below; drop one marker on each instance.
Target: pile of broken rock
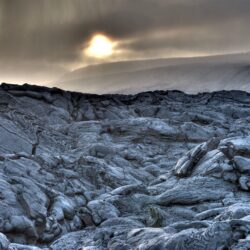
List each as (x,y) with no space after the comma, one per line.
(156,170)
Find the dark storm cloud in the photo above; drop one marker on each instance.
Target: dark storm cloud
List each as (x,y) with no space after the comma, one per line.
(56,31)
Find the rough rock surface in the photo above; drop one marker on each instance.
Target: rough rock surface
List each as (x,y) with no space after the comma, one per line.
(157,170)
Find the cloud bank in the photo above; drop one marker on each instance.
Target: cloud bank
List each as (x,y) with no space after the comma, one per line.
(53,34)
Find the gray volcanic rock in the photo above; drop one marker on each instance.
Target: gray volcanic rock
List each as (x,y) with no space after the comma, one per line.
(156,170)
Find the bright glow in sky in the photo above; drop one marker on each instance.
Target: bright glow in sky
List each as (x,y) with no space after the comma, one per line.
(41,41)
(100,46)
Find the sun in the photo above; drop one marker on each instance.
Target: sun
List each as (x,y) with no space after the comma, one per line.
(100,46)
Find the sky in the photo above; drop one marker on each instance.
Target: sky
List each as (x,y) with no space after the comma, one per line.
(41,40)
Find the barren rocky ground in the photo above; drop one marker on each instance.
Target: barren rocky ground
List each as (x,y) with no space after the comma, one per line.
(156,170)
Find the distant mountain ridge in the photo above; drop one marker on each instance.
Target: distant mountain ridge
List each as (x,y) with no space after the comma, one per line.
(191,75)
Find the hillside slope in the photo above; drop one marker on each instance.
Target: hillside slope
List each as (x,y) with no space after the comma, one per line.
(202,73)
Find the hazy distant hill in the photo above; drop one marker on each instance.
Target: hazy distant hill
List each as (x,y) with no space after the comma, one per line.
(203,73)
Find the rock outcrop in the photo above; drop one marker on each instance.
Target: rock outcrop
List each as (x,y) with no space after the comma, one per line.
(156,170)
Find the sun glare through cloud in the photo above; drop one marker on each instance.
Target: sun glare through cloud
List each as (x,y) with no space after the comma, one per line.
(100,46)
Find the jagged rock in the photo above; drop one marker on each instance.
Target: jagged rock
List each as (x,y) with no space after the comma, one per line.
(156,170)
(102,210)
(216,236)
(244,182)
(236,146)
(197,189)
(242,164)
(186,164)
(21,225)
(62,208)
(14,246)
(4,242)
(85,216)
